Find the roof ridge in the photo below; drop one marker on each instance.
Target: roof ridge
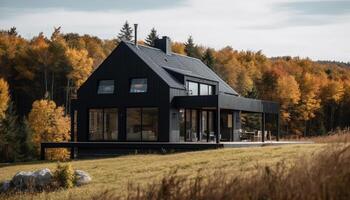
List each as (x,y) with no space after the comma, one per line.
(146,46)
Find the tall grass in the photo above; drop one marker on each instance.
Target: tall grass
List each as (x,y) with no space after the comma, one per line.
(325,175)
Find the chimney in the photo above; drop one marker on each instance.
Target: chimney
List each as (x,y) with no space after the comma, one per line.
(135,32)
(163,44)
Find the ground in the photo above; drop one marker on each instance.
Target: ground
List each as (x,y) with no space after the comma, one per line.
(116,173)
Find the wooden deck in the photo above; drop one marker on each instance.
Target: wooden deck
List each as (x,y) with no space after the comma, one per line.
(112,147)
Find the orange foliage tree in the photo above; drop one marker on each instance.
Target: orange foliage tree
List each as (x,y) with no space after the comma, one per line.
(49,124)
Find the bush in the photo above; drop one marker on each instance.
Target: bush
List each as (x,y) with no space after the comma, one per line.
(64,175)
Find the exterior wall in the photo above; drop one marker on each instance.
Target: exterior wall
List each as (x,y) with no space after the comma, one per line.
(121,66)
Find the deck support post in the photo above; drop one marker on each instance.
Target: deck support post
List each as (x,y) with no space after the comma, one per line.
(42,152)
(263,127)
(218,125)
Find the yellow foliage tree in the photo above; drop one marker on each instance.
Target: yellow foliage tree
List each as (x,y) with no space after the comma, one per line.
(288,94)
(49,124)
(81,66)
(4,98)
(178,47)
(309,101)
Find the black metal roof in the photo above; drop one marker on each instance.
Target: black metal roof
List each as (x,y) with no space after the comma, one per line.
(160,62)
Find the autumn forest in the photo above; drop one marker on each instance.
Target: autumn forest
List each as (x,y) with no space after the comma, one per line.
(40,75)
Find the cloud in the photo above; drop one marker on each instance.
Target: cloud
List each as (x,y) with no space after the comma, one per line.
(92,5)
(329,8)
(247,25)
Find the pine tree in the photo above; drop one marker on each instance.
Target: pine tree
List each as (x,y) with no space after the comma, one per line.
(9,131)
(152,36)
(191,49)
(125,32)
(208,58)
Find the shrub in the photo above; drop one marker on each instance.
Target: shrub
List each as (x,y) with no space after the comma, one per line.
(64,175)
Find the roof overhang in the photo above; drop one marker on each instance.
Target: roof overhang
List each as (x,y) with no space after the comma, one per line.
(229,102)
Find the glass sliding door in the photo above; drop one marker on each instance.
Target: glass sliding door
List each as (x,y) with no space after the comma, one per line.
(194,125)
(149,124)
(142,124)
(111,124)
(211,126)
(188,125)
(133,124)
(96,124)
(204,126)
(182,125)
(103,124)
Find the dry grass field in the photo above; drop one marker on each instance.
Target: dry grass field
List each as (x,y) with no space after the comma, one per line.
(147,173)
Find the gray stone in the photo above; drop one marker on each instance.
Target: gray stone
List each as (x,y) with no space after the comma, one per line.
(23,180)
(5,186)
(42,177)
(81,177)
(31,180)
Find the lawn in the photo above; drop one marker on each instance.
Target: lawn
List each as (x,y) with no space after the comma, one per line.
(117,173)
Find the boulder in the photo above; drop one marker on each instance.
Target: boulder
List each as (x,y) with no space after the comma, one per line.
(42,177)
(5,186)
(81,177)
(23,180)
(31,180)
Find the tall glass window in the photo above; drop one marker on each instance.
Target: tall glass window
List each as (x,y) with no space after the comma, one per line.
(142,124)
(103,124)
(188,125)
(105,87)
(110,124)
(204,89)
(133,124)
(204,126)
(138,85)
(194,127)
(182,125)
(193,88)
(149,124)
(211,126)
(96,124)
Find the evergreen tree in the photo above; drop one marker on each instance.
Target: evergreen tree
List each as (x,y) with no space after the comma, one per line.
(152,36)
(125,32)
(9,131)
(208,58)
(191,49)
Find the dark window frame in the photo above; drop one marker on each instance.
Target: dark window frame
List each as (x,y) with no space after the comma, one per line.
(130,82)
(103,124)
(141,123)
(114,85)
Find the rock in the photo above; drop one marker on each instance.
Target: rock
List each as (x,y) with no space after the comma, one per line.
(31,180)
(23,180)
(42,177)
(5,186)
(81,177)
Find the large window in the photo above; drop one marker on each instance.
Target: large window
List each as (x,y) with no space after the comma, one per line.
(105,87)
(142,124)
(138,85)
(195,89)
(103,124)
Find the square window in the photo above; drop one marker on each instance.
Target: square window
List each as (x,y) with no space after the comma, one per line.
(105,87)
(138,85)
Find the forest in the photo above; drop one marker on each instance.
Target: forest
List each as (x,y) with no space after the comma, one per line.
(40,75)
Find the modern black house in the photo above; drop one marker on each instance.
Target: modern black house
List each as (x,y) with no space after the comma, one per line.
(146,95)
(141,93)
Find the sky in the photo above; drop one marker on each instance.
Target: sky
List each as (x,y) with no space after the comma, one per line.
(318,29)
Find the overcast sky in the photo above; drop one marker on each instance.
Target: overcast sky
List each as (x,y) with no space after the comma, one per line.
(316,29)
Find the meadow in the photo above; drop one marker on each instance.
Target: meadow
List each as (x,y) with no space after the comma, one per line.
(249,173)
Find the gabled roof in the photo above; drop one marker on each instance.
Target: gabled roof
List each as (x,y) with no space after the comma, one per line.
(160,62)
